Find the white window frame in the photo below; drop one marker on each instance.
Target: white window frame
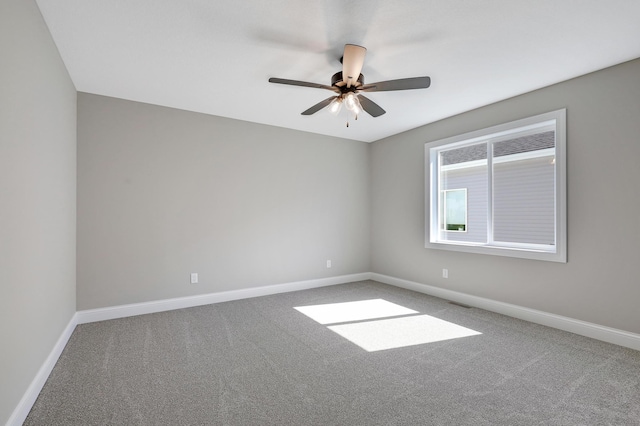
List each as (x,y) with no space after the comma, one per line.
(501,132)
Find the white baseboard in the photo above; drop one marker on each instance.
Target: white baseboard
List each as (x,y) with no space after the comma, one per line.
(583,328)
(122,311)
(29,398)
(595,331)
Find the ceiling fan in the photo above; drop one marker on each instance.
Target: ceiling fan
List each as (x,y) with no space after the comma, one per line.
(349,84)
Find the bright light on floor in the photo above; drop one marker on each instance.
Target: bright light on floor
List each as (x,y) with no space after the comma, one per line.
(334,313)
(400,332)
(349,321)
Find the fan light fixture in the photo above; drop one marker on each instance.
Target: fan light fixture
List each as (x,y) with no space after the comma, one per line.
(352,103)
(348,86)
(336,106)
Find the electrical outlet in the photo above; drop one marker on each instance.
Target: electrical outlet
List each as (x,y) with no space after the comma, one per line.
(328,264)
(194,278)
(445,273)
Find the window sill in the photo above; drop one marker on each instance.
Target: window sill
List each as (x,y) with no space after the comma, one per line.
(559,255)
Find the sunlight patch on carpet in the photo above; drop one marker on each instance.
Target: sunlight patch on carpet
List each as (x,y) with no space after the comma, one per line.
(333,313)
(400,332)
(371,325)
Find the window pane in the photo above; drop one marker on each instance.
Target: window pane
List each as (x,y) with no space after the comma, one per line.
(455,210)
(465,168)
(524,189)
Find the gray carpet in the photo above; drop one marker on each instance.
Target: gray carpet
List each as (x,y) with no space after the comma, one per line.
(261,362)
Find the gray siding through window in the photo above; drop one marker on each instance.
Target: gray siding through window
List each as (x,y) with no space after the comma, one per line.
(475,180)
(524,201)
(523,190)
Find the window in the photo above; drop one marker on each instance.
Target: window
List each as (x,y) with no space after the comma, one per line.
(500,190)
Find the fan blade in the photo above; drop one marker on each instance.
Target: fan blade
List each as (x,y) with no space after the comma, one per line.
(401,84)
(303,84)
(317,107)
(370,107)
(352,62)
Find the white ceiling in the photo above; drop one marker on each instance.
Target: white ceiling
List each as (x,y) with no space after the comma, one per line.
(215,56)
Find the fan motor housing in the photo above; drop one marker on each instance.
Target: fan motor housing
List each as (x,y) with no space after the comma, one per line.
(336,79)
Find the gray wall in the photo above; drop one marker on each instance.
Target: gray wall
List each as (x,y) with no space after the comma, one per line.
(600,282)
(37,198)
(165,192)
